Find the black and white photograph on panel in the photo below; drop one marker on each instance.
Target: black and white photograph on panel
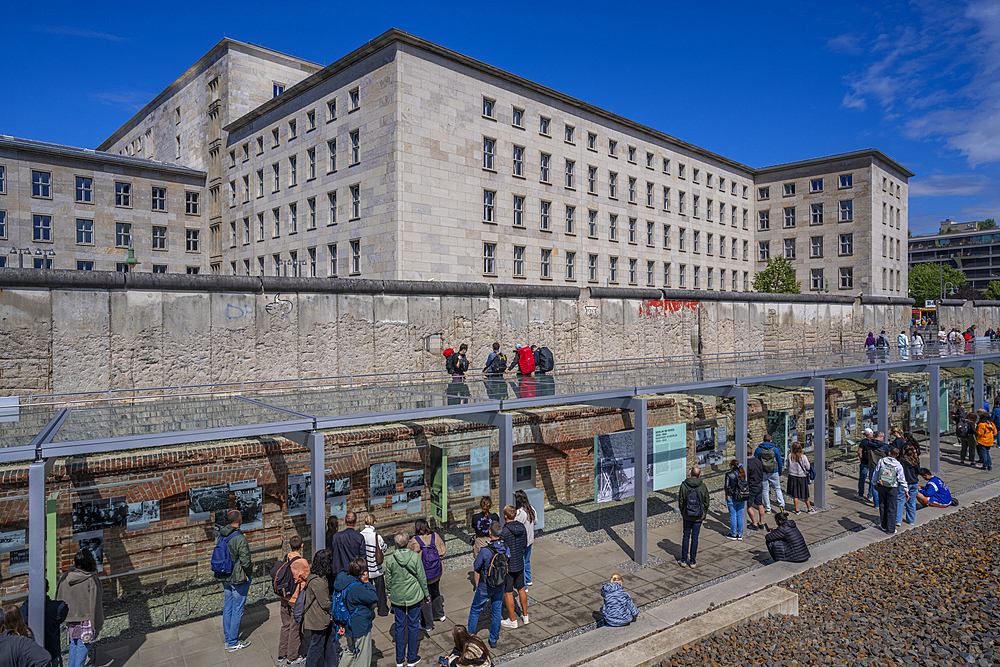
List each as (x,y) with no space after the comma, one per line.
(142,513)
(18,561)
(94,543)
(413,502)
(382,481)
(339,486)
(91,515)
(413,480)
(299,487)
(399,502)
(203,500)
(13,540)
(250,503)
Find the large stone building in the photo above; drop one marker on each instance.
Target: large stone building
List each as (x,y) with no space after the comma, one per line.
(405,160)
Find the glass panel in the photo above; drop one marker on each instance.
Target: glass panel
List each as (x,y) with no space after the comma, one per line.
(19,424)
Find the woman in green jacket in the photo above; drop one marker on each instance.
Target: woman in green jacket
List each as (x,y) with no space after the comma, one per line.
(406,585)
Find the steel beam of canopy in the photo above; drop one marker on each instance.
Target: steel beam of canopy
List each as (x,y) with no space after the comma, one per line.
(453,411)
(819,440)
(882,387)
(504,421)
(316,443)
(977,389)
(933,417)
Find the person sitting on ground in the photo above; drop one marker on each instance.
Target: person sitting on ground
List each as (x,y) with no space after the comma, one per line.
(17,648)
(786,542)
(469,650)
(935,493)
(618,609)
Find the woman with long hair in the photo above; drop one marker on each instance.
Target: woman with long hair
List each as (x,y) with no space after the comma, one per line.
(13,623)
(375,550)
(82,591)
(317,630)
(469,649)
(736,475)
(798,478)
(481,525)
(911,470)
(526,516)
(425,539)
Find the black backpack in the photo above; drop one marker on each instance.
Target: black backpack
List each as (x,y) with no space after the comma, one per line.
(692,504)
(546,362)
(767,459)
(496,568)
(742,492)
(282,579)
(499,364)
(963,430)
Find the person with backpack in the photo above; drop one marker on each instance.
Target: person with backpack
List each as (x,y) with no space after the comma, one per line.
(737,494)
(966,432)
(496,363)
(526,517)
(882,346)
(430,547)
(889,475)
(755,482)
(875,450)
(231,565)
(406,583)
(355,598)
(317,605)
(986,433)
(481,525)
(288,578)
(515,537)
(864,470)
(83,593)
(375,549)
(693,502)
(544,361)
(457,364)
(785,543)
(524,360)
(770,458)
(798,478)
(491,569)
(56,612)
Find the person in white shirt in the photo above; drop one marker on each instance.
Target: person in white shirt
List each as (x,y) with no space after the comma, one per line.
(890,481)
(375,548)
(903,343)
(918,345)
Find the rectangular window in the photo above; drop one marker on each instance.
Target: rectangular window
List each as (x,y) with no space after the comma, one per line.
(489,197)
(518,164)
(159,199)
(276,177)
(41,184)
(722,215)
(734,250)
(246,189)
(517,117)
(192,240)
(695,175)
(789,248)
(631,230)
(543,125)
(746,250)
(612,150)
(846,277)
(734,281)
(489,153)
(763,193)
(276,261)
(311,154)
(708,209)
(246,232)
(694,205)
(613,227)
(489,259)
(649,195)
(680,275)
(84,231)
(612,185)
(708,180)
(544,160)
(232,236)
(331,147)
(293,218)
(789,216)
(666,165)
(356,257)
(519,261)
(518,211)
(568,133)
(649,234)
(722,188)
(355,98)
(544,209)
(260,182)
(666,198)
(570,167)
(763,250)
(570,266)
(650,272)
(311,120)
(666,274)
(85,266)
(356,147)
(232,193)
(489,107)
(123,194)
(123,234)
(613,270)
(355,202)
(592,141)
(711,278)
(311,203)
(789,189)
(696,241)
(592,180)
(177,147)
(649,160)
(277,89)
(260,146)
(631,190)
(632,271)
(680,203)
(816,279)
(847,210)
(631,154)
(763,220)
(570,219)
(276,219)
(331,201)
(545,263)
(260,227)
(666,237)
(696,275)
(816,246)
(592,268)
(293,129)
(681,234)
(708,244)
(84,188)
(816,185)
(592,224)
(274,138)
(293,171)
(331,251)
(846,180)
(744,218)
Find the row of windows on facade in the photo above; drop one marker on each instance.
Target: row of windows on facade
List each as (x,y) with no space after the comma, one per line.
(845,247)
(43,231)
(569,175)
(545,269)
(569,136)
(42,187)
(816,185)
(88,265)
(846,214)
(274,176)
(545,213)
(291,220)
(298,265)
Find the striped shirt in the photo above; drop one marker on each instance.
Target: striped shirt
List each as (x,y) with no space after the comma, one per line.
(371,540)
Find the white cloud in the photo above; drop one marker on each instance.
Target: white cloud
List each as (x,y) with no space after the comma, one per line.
(949,185)
(129,100)
(78,32)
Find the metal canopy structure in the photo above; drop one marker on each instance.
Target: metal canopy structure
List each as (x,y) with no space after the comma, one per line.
(299,410)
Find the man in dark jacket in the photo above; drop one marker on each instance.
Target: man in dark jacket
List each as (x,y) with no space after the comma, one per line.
(235,585)
(361,600)
(18,651)
(55,613)
(485,594)
(693,502)
(786,542)
(755,480)
(515,536)
(346,545)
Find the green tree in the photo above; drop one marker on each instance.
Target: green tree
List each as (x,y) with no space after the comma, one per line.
(988,223)
(992,292)
(778,276)
(926,280)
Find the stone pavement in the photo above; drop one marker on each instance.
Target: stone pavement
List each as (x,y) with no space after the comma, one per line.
(564,600)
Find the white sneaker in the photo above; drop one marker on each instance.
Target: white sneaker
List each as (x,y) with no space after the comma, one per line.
(442,619)
(509,624)
(524,619)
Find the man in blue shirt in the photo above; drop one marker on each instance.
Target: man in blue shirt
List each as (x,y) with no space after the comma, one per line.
(770,457)
(484,593)
(936,493)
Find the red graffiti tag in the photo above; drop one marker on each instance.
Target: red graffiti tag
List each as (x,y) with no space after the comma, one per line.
(656,308)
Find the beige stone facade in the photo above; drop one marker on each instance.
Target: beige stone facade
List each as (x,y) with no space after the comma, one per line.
(70,208)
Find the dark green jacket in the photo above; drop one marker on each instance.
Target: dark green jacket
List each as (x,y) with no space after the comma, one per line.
(697,484)
(239,551)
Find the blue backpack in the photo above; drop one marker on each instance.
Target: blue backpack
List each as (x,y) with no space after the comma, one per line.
(339,611)
(222,560)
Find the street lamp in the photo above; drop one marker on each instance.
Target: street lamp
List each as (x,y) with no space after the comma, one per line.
(951,292)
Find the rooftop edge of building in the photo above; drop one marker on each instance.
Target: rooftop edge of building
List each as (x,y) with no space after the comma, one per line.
(864,152)
(20,143)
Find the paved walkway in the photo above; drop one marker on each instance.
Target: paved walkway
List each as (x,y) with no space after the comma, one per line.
(565,597)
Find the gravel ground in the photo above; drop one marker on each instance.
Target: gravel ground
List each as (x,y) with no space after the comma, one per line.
(924,597)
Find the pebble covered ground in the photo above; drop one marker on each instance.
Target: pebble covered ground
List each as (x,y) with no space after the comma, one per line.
(924,597)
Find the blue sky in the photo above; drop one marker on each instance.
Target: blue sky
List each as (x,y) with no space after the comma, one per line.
(762,85)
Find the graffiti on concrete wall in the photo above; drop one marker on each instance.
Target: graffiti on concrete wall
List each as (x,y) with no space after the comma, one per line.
(659,308)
